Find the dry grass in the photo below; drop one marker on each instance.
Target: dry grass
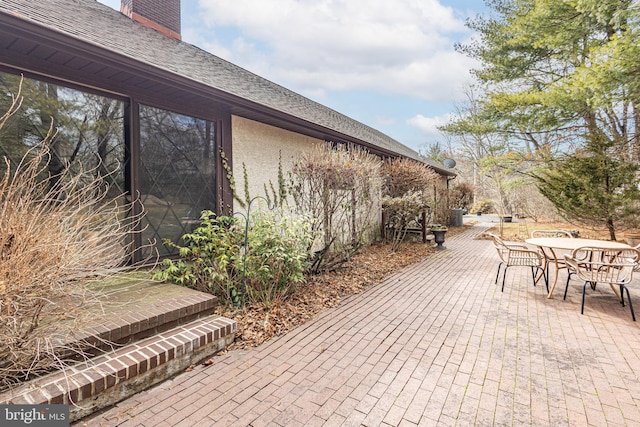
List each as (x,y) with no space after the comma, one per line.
(521,230)
(57,233)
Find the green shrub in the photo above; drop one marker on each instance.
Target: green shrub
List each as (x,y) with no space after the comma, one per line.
(277,257)
(215,260)
(208,259)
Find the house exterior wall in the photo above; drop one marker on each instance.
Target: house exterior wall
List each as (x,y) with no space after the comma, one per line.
(100,58)
(260,147)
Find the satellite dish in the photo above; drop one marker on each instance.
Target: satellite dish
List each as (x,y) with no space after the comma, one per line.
(449,163)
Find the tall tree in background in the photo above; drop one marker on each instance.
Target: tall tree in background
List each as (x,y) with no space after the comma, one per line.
(495,158)
(563,76)
(435,151)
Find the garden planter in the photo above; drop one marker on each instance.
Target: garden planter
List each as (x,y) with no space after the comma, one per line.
(438,236)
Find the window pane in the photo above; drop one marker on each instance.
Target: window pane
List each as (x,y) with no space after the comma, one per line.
(177,177)
(89,128)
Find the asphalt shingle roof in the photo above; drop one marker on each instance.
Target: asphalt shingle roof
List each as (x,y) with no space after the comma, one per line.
(102,26)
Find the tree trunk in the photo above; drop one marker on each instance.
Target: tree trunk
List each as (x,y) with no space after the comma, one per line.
(611,228)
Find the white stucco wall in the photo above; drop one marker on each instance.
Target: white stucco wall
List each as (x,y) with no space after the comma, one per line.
(259,147)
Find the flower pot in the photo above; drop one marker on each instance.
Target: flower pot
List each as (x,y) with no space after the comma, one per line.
(438,236)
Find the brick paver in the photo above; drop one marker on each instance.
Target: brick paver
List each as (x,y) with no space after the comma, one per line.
(435,344)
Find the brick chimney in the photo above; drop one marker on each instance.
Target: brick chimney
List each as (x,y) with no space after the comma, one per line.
(161,15)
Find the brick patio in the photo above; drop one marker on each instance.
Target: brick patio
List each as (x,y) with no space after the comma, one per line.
(435,344)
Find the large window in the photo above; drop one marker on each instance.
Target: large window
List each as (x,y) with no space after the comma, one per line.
(87,129)
(177,176)
(176,179)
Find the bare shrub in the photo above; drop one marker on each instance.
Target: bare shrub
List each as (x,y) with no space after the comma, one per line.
(409,191)
(403,175)
(57,235)
(340,187)
(400,213)
(461,195)
(532,204)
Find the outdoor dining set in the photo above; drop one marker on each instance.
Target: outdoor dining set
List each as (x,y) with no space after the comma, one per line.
(593,262)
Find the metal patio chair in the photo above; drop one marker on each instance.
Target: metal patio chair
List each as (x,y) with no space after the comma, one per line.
(514,254)
(636,268)
(614,267)
(549,256)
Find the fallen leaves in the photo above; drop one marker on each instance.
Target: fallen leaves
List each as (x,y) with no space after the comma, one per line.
(258,323)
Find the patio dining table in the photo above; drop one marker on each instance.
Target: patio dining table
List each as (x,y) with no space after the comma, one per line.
(558,246)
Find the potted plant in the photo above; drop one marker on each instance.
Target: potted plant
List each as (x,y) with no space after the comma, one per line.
(438,232)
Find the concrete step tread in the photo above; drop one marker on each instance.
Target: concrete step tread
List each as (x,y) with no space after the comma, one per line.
(107,333)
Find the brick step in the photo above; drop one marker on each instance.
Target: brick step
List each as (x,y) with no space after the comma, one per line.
(126,326)
(111,377)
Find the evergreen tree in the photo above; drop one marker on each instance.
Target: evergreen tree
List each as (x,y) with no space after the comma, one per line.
(592,186)
(562,78)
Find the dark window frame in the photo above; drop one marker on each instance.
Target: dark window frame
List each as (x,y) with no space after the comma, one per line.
(219,115)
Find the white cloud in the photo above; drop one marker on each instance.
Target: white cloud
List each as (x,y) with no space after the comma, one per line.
(429,125)
(404,47)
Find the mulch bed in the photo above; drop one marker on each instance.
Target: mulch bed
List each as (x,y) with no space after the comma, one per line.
(257,323)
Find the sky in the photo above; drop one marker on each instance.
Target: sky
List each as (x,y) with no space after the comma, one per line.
(388,64)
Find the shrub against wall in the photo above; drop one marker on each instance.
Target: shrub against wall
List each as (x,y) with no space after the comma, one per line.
(401,213)
(209,257)
(340,186)
(277,256)
(402,176)
(214,257)
(461,195)
(409,190)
